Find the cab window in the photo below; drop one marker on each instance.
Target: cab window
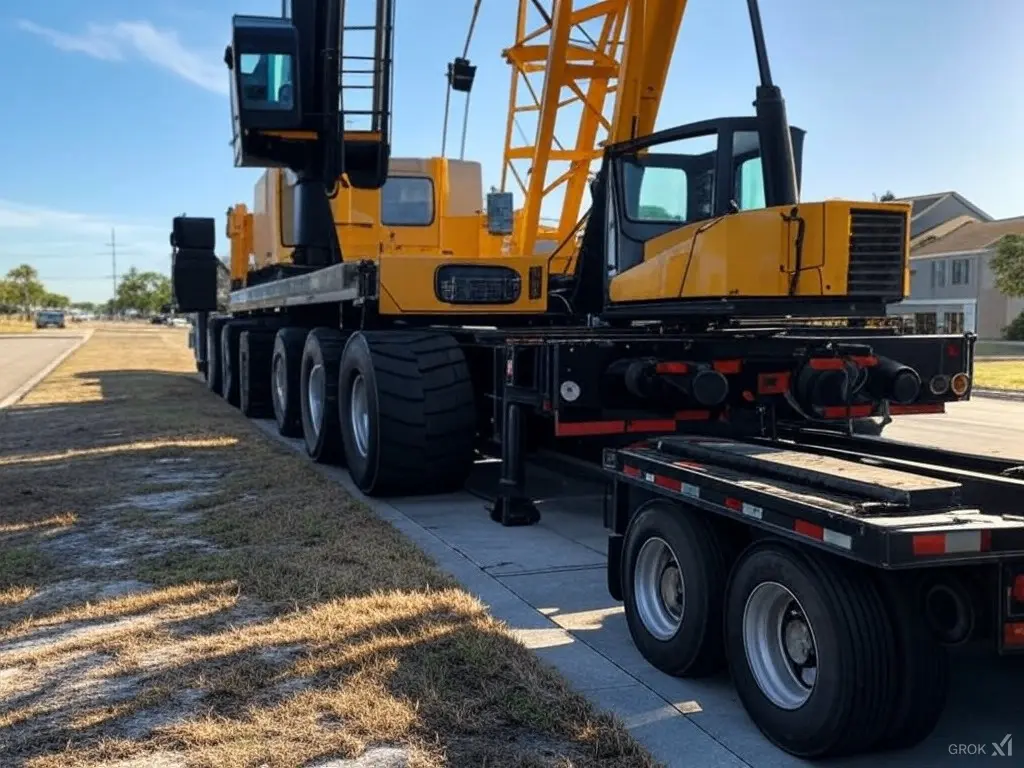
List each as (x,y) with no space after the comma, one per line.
(674,184)
(407,201)
(266,81)
(748,184)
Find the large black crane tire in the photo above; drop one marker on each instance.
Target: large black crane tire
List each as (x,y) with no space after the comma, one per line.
(675,568)
(810,650)
(408,419)
(213,362)
(285,365)
(255,348)
(318,394)
(230,334)
(922,683)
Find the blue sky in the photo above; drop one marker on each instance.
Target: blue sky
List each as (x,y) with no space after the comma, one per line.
(115,112)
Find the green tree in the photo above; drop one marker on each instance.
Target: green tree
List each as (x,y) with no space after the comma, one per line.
(142,291)
(55,301)
(887,197)
(1007,265)
(24,287)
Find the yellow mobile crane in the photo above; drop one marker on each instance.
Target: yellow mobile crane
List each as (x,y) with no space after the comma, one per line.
(677,326)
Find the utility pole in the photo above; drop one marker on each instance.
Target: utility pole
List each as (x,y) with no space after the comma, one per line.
(113,261)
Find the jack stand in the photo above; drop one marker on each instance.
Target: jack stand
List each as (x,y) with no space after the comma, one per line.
(512,506)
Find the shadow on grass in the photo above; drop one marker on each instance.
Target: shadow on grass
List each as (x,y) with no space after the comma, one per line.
(258,614)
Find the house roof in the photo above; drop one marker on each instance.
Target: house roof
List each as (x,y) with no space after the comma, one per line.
(972,236)
(923,203)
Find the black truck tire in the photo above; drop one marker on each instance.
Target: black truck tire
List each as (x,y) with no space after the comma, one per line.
(230,334)
(318,394)
(255,348)
(843,628)
(669,547)
(213,362)
(408,418)
(285,364)
(922,669)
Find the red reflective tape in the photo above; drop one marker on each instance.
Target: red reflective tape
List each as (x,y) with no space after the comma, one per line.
(929,544)
(866,361)
(986,541)
(734,504)
(809,529)
(1013,633)
(631,471)
(727,366)
(902,410)
(668,483)
(826,364)
(588,428)
(651,425)
(672,368)
(843,412)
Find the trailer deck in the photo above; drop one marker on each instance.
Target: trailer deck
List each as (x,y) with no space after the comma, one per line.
(881,515)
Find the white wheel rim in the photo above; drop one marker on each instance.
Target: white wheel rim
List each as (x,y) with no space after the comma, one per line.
(658,589)
(780,646)
(315,396)
(359,415)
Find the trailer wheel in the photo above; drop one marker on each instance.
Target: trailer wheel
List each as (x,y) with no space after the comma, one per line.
(213,363)
(318,388)
(675,569)
(285,364)
(255,348)
(922,670)
(408,419)
(230,335)
(810,651)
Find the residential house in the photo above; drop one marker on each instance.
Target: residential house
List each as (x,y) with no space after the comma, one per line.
(952,288)
(938,214)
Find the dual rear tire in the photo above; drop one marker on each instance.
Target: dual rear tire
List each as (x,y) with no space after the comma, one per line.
(827,657)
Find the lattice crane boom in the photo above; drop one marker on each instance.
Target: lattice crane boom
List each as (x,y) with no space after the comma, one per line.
(620,52)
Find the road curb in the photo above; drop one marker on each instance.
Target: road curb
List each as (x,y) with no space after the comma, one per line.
(29,385)
(998,394)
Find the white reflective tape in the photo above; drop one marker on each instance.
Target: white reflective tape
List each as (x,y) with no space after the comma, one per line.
(837,539)
(690,490)
(963,541)
(648,477)
(751,511)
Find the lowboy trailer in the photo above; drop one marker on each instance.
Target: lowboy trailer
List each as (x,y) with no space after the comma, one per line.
(829,573)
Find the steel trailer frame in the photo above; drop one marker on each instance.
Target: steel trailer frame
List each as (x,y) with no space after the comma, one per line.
(854,497)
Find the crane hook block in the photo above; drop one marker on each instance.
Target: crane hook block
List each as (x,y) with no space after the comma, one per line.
(460,75)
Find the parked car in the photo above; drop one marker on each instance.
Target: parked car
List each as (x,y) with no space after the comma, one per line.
(50,318)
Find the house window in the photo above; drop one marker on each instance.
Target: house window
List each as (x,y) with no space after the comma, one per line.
(953,322)
(938,274)
(961,272)
(924,322)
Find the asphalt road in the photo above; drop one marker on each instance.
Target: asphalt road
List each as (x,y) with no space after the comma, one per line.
(22,357)
(983,425)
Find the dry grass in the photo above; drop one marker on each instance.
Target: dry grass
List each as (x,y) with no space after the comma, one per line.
(176,589)
(999,374)
(15,324)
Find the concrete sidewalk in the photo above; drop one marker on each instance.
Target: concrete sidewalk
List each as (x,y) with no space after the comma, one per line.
(547,582)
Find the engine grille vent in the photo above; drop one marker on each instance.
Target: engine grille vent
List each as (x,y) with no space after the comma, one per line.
(877,243)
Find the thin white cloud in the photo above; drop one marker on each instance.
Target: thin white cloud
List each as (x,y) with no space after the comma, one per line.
(20,219)
(125,40)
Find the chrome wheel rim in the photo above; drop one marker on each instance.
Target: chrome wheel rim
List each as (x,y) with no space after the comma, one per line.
(315,396)
(359,415)
(659,589)
(780,646)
